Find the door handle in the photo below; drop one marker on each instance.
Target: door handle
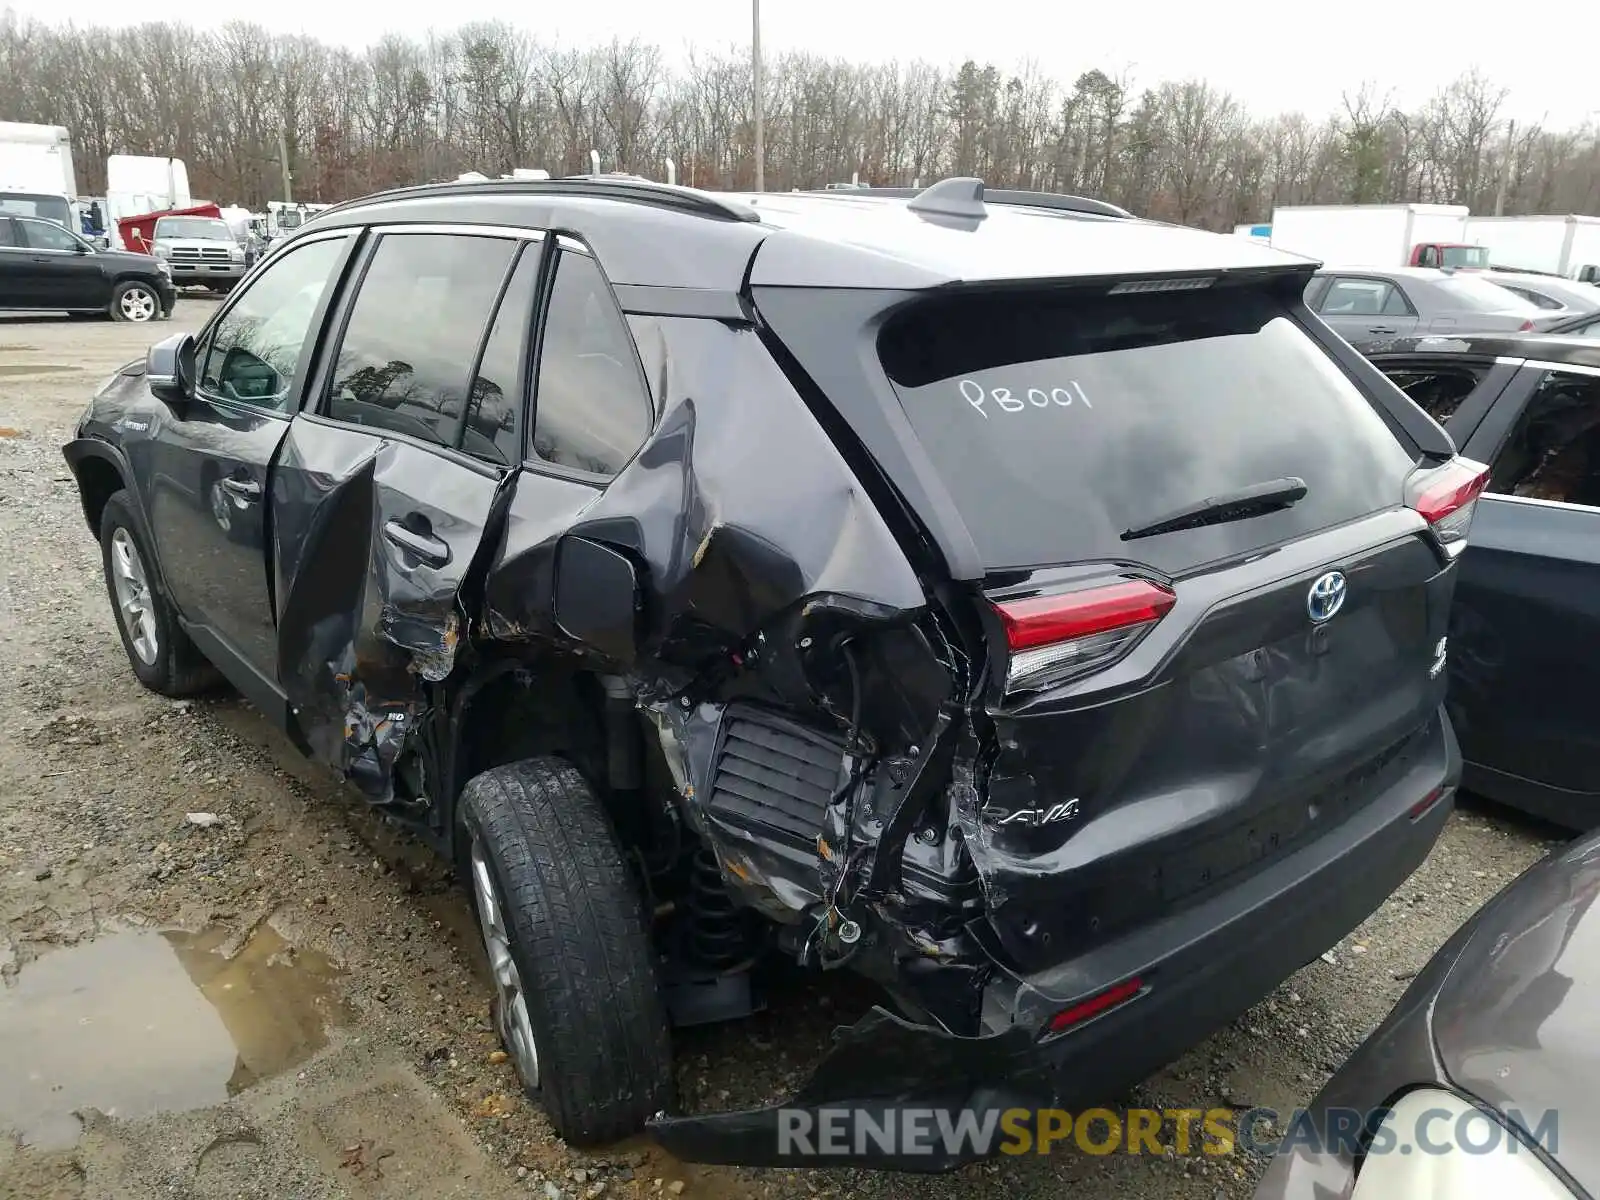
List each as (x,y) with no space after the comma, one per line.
(431,550)
(244,489)
(1382,329)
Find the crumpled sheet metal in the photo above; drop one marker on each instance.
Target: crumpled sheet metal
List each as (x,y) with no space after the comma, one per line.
(761,879)
(708,508)
(879,1064)
(358,687)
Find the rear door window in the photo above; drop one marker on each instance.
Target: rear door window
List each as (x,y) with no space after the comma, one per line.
(1553,452)
(1364,298)
(1061,422)
(405,361)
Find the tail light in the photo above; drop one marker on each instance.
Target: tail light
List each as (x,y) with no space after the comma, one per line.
(1058,637)
(1087,1010)
(1447,497)
(1526,327)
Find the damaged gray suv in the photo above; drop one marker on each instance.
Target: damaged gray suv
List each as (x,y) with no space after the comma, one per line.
(1033,608)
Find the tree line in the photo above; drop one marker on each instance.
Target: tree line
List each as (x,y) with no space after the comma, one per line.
(492,97)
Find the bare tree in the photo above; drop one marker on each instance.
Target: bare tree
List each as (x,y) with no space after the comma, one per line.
(492,97)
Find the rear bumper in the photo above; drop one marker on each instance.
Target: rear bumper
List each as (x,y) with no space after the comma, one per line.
(1199,968)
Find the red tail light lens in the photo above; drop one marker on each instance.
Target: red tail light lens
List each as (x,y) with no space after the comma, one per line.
(1447,497)
(1525,327)
(1056,637)
(1095,1005)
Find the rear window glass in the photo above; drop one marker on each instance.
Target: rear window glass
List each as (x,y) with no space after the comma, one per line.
(1479,295)
(1060,422)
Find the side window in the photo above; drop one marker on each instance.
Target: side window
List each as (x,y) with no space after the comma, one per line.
(591,410)
(414,331)
(253,351)
(47,235)
(495,398)
(7,235)
(1395,303)
(1437,389)
(1314,291)
(1553,451)
(1359,298)
(1549,303)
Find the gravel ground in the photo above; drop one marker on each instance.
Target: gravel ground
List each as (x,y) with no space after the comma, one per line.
(387,1083)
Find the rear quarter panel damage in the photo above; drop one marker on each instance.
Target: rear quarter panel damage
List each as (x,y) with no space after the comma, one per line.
(761,557)
(738,508)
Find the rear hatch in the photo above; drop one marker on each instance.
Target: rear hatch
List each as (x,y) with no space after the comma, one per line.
(1159,480)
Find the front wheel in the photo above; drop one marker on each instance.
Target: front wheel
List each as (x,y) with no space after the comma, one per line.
(160,653)
(576,997)
(134,301)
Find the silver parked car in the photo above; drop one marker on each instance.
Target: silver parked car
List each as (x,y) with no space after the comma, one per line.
(1584,325)
(1555,295)
(1479,1085)
(1367,305)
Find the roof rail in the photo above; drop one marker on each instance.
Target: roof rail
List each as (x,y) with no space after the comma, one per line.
(631,188)
(1058,201)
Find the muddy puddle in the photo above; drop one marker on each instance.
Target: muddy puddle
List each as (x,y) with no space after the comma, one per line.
(7,369)
(139,1021)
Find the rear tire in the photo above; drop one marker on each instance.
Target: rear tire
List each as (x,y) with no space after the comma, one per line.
(572,945)
(160,653)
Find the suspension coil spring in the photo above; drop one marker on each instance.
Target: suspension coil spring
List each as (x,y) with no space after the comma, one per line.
(716,927)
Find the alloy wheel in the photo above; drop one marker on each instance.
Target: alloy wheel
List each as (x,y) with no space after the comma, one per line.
(137,304)
(221,506)
(135,605)
(511,1011)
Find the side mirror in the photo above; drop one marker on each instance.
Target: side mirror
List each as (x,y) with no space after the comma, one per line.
(597,598)
(82,248)
(169,369)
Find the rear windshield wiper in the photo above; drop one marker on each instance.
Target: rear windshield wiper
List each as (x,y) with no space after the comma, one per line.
(1256,500)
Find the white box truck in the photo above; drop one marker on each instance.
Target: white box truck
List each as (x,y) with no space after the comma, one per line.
(1378,235)
(37,178)
(1547,245)
(137,184)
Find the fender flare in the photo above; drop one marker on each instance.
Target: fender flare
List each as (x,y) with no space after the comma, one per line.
(82,449)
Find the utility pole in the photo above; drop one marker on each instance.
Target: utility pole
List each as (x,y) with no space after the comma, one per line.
(1505,172)
(755,74)
(283,164)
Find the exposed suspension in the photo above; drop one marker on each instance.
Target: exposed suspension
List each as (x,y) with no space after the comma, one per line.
(716,927)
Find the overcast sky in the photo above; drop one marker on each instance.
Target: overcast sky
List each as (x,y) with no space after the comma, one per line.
(1272,57)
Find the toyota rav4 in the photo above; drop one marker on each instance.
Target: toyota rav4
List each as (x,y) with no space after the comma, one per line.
(1033,608)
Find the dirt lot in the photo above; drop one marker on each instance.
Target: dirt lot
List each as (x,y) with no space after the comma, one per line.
(289,1001)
